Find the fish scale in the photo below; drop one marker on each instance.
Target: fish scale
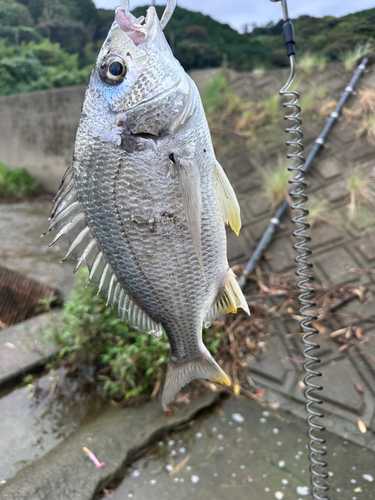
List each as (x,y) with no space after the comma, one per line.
(147,207)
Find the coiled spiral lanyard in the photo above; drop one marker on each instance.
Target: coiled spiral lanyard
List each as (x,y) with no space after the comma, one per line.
(315,444)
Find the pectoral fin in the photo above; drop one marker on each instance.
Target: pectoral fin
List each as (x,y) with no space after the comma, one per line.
(228,200)
(189,177)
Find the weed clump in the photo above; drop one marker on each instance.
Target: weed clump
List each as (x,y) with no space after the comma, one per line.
(16,183)
(276,183)
(350,58)
(124,362)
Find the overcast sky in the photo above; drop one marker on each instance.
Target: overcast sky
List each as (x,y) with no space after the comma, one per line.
(238,12)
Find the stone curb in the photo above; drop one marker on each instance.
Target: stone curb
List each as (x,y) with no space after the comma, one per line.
(66,473)
(21,349)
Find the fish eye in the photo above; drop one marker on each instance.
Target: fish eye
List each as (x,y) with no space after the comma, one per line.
(113,70)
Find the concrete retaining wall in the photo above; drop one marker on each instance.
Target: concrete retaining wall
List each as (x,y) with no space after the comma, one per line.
(37,132)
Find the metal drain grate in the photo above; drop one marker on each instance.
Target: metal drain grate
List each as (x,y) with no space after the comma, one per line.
(19,296)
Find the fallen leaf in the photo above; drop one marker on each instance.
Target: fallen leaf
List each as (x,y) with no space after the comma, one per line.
(274,406)
(344,347)
(260,393)
(338,332)
(236,389)
(301,384)
(182,397)
(358,333)
(297,360)
(9,345)
(180,465)
(219,410)
(359,388)
(361,426)
(321,329)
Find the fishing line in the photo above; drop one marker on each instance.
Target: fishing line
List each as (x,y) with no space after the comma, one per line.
(316,443)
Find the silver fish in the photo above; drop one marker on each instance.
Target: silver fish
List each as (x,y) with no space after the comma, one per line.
(145,201)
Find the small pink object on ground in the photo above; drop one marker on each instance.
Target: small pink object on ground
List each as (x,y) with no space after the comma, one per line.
(93,458)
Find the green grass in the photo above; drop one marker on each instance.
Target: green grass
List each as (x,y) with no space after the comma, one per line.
(275,182)
(360,188)
(126,362)
(218,96)
(16,183)
(306,62)
(350,58)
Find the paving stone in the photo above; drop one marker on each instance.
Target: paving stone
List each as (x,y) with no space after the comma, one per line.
(281,254)
(339,393)
(336,264)
(366,246)
(234,249)
(255,205)
(22,348)
(330,167)
(241,167)
(323,234)
(246,184)
(115,437)
(272,367)
(336,191)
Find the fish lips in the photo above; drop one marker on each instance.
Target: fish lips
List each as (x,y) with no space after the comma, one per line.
(138,30)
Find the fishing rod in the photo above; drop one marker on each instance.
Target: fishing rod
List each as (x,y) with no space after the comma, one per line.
(318,145)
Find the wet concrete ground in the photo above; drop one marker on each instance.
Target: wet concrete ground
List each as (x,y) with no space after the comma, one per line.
(32,427)
(242,451)
(23,249)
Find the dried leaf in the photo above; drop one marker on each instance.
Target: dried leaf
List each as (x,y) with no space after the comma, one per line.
(260,393)
(9,345)
(182,397)
(358,333)
(236,389)
(297,360)
(338,332)
(344,347)
(274,406)
(359,388)
(180,465)
(301,384)
(362,427)
(321,329)
(219,410)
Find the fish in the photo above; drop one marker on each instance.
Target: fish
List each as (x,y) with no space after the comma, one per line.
(145,202)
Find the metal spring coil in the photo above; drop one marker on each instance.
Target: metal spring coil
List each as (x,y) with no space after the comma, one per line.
(315,444)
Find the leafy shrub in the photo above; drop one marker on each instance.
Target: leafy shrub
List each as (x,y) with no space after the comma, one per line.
(127,362)
(16,182)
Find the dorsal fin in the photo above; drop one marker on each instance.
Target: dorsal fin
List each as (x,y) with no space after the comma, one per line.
(68,217)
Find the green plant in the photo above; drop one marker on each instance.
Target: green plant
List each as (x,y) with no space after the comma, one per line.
(350,58)
(360,188)
(126,361)
(318,211)
(16,182)
(219,97)
(259,71)
(306,62)
(275,182)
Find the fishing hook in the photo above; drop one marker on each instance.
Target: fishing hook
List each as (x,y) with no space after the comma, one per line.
(167,14)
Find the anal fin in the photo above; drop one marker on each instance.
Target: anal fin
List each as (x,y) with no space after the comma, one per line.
(230,300)
(228,200)
(180,374)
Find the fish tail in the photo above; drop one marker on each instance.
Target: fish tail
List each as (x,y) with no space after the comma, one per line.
(181,373)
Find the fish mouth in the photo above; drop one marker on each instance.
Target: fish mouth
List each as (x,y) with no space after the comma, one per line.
(137,29)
